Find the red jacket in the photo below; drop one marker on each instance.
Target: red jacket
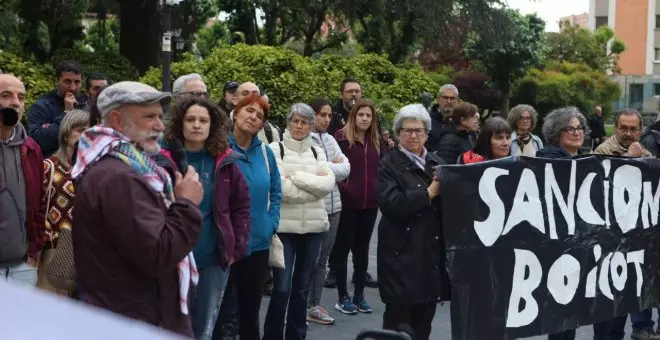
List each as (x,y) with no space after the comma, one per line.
(470,157)
(232,207)
(32,160)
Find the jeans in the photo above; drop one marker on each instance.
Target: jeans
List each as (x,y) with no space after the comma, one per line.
(291,287)
(318,280)
(642,320)
(228,312)
(206,302)
(23,274)
(353,234)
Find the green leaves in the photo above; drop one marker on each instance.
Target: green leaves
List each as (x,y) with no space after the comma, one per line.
(580,45)
(288,77)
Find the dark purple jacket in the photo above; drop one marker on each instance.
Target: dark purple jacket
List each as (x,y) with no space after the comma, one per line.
(232,208)
(360,189)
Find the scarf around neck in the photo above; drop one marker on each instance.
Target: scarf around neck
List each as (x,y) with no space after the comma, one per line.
(100,141)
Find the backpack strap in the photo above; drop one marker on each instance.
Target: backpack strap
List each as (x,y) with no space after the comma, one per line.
(281,150)
(268,131)
(316,156)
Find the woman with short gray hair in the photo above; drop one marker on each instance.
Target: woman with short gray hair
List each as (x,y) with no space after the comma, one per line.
(306,180)
(563,130)
(411,259)
(522,119)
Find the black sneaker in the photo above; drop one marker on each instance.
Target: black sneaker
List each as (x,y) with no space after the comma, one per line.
(330,280)
(229,332)
(368,281)
(268,288)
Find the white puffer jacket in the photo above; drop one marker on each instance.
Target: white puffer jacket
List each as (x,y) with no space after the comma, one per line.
(305,182)
(341,170)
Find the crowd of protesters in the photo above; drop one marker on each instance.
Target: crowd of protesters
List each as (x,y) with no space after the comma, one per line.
(182,222)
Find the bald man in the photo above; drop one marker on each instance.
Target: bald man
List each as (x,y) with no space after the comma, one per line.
(20,189)
(270,132)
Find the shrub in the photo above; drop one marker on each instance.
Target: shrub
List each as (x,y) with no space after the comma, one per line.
(566,84)
(38,79)
(110,63)
(288,77)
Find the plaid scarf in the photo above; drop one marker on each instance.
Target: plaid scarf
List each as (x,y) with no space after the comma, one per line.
(99,141)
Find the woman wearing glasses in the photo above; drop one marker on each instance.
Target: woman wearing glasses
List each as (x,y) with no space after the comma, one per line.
(522,119)
(563,130)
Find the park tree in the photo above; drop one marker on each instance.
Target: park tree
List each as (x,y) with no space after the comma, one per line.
(211,37)
(519,46)
(600,49)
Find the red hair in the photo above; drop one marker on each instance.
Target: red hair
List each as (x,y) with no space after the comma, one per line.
(253,99)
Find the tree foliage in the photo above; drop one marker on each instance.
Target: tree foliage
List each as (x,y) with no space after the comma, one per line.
(474,87)
(289,77)
(600,49)
(211,37)
(566,84)
(103,35)
(519,48)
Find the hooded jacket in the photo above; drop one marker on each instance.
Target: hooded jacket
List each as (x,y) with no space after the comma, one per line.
(22,228)
(231,207)
(265,190)
(341,171)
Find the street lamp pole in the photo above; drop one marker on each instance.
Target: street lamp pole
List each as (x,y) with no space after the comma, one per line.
(167,45)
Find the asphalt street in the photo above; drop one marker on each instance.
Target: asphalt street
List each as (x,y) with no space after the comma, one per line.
(347,327)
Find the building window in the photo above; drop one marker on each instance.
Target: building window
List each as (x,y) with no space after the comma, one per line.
(601,21)
(656,89)
(657,54)
(657,21)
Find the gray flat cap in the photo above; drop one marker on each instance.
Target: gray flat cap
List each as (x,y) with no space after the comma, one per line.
(129,93)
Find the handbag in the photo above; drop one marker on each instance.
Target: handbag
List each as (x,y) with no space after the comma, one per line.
(276,254)
(61,272)
(60,268)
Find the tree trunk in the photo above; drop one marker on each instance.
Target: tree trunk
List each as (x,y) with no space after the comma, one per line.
(245,19)
(399,50)
(140,33)
(270,26)
(505,91)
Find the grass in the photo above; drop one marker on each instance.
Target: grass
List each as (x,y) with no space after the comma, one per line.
(609,129)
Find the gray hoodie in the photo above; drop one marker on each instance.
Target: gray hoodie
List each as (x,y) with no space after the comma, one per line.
(13,236)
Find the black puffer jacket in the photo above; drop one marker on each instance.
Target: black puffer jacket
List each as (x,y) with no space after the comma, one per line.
(439,126)
(651,139)
(411,246)
(454,143)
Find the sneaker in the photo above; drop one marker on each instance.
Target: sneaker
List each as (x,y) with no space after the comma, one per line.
(346,306)
(368,281)
(268,288)
(229,332)
(330,280)
(319,315)
(645,334)
(362,305)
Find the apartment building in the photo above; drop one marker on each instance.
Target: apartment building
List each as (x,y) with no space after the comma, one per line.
(580,20)
(637,23)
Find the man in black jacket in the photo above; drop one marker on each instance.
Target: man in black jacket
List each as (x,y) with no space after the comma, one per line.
(441,115)
(47,112)
(650,140)
(351,92)
(597,127)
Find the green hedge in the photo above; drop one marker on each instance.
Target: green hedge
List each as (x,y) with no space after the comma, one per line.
(110,63)
(566,84)
(38,79)
(288,77)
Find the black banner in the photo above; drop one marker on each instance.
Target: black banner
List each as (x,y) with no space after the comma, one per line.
(532,249)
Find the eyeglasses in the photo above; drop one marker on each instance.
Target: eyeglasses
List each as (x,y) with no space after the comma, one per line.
(525,119)
(626,130)
(196,94)
(574,130)
(448,98)
(409,132)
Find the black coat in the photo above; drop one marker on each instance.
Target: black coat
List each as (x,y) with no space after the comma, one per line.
(454,143)
(411,250)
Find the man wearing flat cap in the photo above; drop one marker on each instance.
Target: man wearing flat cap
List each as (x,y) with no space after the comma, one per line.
(133,229)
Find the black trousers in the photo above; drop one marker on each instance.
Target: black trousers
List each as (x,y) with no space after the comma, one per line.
(353,234)
(248,277)
(606,330)
(417,317)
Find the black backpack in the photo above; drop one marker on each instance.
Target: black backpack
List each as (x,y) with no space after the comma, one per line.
(282,152)
(268,130)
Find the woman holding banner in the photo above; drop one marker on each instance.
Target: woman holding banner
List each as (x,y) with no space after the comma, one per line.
(411,255)
(563,130)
